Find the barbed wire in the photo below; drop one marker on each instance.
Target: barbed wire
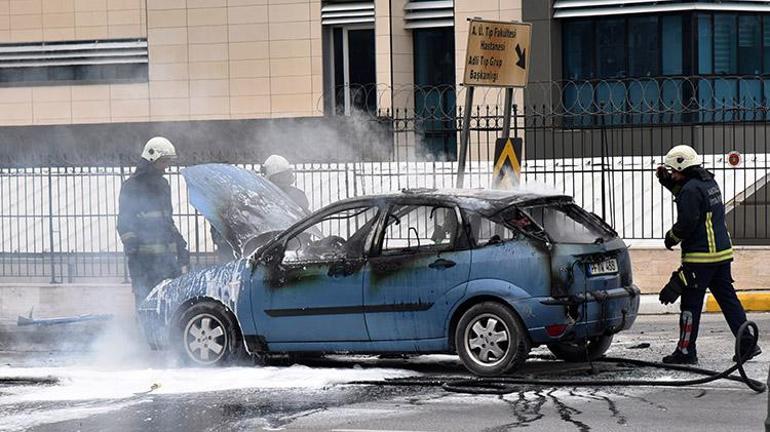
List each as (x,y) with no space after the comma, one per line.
(643,96)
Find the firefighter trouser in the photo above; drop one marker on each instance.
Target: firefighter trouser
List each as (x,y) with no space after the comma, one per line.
(147,270)
(718,279)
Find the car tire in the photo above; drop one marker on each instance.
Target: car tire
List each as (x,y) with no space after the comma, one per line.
(578,352)
(207,335)
(491,340)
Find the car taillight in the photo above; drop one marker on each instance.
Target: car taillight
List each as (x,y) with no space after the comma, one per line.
(555,330)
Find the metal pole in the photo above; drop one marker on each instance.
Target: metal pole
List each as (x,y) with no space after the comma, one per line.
(50,225)
(507,113)
(602,140)
(464,136)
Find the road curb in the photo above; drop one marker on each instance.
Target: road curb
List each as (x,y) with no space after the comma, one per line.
(753,301)
(649,305)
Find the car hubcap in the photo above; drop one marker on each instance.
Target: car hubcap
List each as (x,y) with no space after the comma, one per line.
(487,340)
(205,339)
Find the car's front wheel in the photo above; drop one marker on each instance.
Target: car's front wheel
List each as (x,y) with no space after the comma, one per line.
(207,335)
(582,351)
(490,340)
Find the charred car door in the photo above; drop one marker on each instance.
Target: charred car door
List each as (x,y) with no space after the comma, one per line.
(312,291)
(419,268)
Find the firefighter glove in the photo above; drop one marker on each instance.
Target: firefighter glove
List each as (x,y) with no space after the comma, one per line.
(671,291)
(680,280)
(670,240)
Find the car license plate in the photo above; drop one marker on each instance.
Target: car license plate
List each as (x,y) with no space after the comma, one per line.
(605,267)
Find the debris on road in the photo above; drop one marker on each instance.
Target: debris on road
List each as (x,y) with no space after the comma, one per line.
(643,345)
(29,321)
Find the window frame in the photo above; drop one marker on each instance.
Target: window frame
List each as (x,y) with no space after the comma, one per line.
(281,242)
(520,235)
(461,241)
(344,107)
(690,44)
(686,105)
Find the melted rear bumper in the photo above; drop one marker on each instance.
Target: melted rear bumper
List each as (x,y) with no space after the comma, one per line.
(597,313)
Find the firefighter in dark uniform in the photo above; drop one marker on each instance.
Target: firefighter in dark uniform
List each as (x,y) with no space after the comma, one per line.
(154,247)
(706,251)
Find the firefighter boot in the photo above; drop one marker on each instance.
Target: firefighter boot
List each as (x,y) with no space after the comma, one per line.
(685,352)
(745,351)
(678,357)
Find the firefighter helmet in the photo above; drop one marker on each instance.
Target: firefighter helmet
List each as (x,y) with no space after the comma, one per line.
(158,147)
(681,157)
(275,164)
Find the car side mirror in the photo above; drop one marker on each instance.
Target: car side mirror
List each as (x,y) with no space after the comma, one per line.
(273,255)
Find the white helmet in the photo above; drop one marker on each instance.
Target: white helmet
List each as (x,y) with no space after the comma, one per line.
(681,157)
(275,165)
(158,147)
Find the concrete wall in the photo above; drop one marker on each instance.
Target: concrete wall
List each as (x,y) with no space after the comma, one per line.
(652,268)
(546,60)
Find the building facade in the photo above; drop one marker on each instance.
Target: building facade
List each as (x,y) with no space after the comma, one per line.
(721,48)
(76,62)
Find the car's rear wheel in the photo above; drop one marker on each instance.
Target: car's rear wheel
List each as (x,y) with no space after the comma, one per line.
(207,335)
(582,351)
(490,340)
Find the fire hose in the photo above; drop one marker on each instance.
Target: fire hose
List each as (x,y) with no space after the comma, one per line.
(512,384)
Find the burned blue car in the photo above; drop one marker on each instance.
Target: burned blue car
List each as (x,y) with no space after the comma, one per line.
(484,274)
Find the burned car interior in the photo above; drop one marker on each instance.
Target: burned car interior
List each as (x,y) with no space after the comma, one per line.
(429,228)
(339,236)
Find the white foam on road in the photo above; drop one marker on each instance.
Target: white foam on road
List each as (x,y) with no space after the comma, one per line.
(93,384)
(28,419)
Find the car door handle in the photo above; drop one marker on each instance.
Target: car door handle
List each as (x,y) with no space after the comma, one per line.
(441,264)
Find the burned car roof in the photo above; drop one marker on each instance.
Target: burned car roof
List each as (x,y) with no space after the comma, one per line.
(486,202)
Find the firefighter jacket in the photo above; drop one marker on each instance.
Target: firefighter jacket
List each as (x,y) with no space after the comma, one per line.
(145,224)
(298,196)
(700,224)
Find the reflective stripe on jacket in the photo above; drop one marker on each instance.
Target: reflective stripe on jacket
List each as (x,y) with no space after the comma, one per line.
(700,224)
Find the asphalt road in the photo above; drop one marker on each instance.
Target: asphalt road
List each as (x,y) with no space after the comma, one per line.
(309,397)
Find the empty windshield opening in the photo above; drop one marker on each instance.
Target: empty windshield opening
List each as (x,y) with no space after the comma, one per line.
(568,223)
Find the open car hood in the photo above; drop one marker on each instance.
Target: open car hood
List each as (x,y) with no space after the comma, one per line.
(239,204)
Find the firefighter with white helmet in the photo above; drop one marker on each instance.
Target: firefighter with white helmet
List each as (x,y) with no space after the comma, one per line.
(154,247)
(278,170)
(707,251)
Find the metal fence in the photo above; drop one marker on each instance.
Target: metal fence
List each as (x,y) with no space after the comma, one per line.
(57,224)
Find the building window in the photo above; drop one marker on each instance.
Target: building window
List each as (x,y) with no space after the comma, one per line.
(643,41)
(626,66)
(725,40)
(579,50)
(611,45)
(74,62)
(766,45)
(705,45)
(434,80)
(749,45)
(672,37)
(353,71)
